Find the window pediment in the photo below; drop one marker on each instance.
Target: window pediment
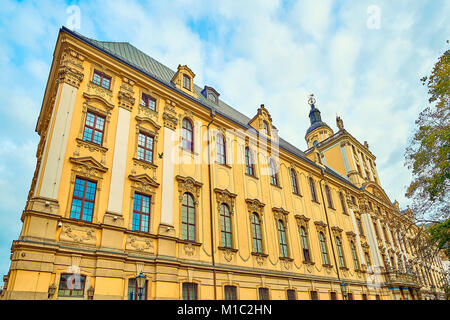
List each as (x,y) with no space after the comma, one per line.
(89,163)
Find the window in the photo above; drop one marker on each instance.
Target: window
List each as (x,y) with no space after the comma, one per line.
(329,199)
(333,295)
(290,294)
(341,197)
(385,233)
(313,189)
(101,79)
(148,101)
(323,248)
(145,147)
(71,285)
(221,150)
(83,199)
(266,128)
(294,181)
(340,252)
(350,296)
(355,257)
(94,128)
(186,82)
(282,238)
(353,200)
(370,206)
(263,293)
(377,296)
(367,256)
(225,226)
(375,227)
(189,291)
(141,213)
(256,230)
(188,217)
(133,290)
(230,293)
(305,247)
(249,168)
(314,295)
(358,222)
(359,169)
(273,173)
(187,135)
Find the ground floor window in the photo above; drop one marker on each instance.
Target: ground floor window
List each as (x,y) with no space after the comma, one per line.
(133,290)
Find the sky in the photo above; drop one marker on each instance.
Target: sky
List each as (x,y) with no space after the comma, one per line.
(363,61)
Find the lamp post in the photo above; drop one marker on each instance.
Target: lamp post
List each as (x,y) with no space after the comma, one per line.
(344,290)
(140,279)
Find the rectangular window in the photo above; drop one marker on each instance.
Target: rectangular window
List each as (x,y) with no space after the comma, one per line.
(358,221)
(71,285)
(377,296)
(94,128)
(263,293)
(350,296)
(148,101)
(141,212)
(83,200)
(230,293)
(314,295)
(186,82)
(133,290)
(101,79)
(145,147)
(189,291)
(364,296)
(291,294)
(333,296)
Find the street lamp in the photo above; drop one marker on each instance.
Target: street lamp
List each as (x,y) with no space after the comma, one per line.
(140,279)
(344,290)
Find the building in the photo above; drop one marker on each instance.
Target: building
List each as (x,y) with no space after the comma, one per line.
(148,186)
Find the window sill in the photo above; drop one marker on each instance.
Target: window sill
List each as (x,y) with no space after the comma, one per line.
(286,259)
(315,201)
(344,268)
(274,185)
(194,243)
(223,164)
(251,176)
(259,254)
(311,263)
(91,145)
(297,194)
(145,163)
(193,153)
(227,249)
(329,266)
(101,87)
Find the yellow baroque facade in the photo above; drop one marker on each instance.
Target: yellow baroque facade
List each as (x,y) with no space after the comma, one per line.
(143,175)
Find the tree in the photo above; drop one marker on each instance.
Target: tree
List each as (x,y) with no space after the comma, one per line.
(428,153)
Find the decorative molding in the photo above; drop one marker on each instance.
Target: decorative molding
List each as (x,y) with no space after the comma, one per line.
(188,184)
(321,226)
(225,196)
(78,234)
(302,221)
(254,205)
(280,214)
(71,68)
(143,183)
(126,94)
(139,243)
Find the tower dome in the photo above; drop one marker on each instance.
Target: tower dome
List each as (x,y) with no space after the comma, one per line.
(318,130)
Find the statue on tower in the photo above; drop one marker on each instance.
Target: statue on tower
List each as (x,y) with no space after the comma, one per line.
(339,123)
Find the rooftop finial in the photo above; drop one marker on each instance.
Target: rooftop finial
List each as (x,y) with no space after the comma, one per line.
(311,100)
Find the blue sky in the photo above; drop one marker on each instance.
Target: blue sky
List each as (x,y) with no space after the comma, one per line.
(361,65)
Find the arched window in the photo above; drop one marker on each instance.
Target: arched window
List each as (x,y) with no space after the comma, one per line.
(340,252)
(225,226)
(249,168)
(294,181)
(313,189)
(256,233)
(323,248)
(221,150)
(355,257)
(188,217)
(273,173)
(329,199)
(341,197)
(266,128)
(187,135)
(283,241)
(305,247)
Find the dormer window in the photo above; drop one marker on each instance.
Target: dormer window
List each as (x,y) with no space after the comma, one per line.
(266,128)
(211,94)
(186,82)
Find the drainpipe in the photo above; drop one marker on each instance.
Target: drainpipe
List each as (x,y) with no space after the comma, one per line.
(329,229)
(213,114)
